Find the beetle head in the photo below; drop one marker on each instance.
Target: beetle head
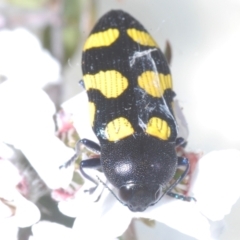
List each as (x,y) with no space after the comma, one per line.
(139,197)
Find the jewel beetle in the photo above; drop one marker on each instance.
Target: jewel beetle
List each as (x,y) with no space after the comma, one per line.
(129,87)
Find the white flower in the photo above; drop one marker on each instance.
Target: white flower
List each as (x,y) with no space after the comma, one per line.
(215,188)
(26,110)
(23,60)
(49,230)
(27,123)
(9,230)
(23,212)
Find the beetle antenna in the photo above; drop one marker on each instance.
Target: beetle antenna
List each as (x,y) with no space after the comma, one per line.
(105,185)
(176,182)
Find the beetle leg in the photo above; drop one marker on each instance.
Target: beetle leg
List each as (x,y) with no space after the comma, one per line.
(74,157)
(181,197)
(168,52)
(81,82)
(181,142)
(92,146)
(93,163)
(181,162)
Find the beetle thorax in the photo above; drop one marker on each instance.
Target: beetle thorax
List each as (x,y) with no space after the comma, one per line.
(142,159)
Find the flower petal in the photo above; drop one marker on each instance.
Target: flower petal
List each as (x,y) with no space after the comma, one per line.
(78,107)
(95,220)
(52,154)
(182,216)
(27,213)
(9,178)
(181,121)
(24,111)
(9,230)
(50,230)
(23,59)
(216,185)
(5,211)
(6,152)
(27,123)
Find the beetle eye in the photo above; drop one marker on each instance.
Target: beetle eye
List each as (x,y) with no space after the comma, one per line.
(125,193)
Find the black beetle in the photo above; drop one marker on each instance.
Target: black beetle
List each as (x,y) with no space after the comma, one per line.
(130,94)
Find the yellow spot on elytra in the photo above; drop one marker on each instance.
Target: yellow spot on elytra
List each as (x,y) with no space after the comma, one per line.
(118,129)
(141,37)
(101,39)
(159,128)
(92,112)
(154,83)
(110,83)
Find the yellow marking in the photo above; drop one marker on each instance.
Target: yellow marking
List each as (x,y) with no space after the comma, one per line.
(155,84)
(101,39)
(92,111)
(110,83)
(159,128)
(118,129)
(141,37)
